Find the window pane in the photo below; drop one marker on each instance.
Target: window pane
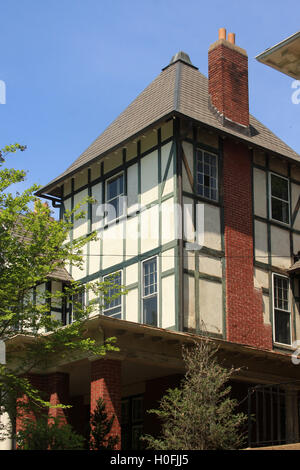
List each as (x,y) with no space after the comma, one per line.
(280,210)
(112,189)
(282,327)
(114,210)
(137,409)
(150,310)
(280,187)
(207,175)
(150,277)
(113,306)
(115,187)
(282,315)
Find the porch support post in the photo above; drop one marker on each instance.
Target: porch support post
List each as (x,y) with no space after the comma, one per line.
(106,383)
(58,389)
(39,382)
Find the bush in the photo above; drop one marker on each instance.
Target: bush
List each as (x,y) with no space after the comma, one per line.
(44,435)
(199,415)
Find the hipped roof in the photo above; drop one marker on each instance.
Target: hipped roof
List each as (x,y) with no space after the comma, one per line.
(179,89)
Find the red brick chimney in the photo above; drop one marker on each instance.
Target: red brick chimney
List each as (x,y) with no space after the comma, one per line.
(228,80)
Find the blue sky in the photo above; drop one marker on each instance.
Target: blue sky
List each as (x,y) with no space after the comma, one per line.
(71,66)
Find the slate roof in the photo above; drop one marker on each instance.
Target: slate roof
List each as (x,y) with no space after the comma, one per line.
(179,89)
(60,274)
(295,268)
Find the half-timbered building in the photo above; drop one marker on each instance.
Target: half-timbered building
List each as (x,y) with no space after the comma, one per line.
(204,233)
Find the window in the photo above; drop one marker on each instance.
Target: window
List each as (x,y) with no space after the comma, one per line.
(150,292)
(132,422)
(76,305)
(207,175)
(281,310)
(114,193)
(113,305)
(279,198)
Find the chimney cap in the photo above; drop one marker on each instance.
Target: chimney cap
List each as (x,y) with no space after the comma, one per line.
(231,38)
(222,33)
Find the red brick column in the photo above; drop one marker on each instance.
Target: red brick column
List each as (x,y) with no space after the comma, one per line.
(54,388)
(39,382)
(106,383)
(244,304)
(58,389)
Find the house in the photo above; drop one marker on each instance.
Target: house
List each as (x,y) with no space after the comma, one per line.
(201,224)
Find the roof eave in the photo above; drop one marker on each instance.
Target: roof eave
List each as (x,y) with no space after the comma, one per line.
(46,190)
(270,56)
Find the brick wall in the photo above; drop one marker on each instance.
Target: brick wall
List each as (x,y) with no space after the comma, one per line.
(106,383)
(53,388)
(244,304)
(58,390)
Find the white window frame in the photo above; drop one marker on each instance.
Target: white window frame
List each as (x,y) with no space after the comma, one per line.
(105,310)
(107,201)
(199,149)
(150,295)
(70,314)
(285,311)
(279,199)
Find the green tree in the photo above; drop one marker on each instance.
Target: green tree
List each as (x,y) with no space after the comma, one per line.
(101,426)
(44,435)
(32,246)
(199,415)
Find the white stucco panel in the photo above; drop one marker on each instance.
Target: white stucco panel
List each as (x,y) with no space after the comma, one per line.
(188,152)
(210,265)
(169,180)
(212,237)
(80,227)
(189,302)
(211,306)
(131,299)
(149,178)
(260,192)
(112,245)
(261,241)
(295,197)
(280,247)
(167,260)
(132,237)
(149,229)
(132,188)
(132,274)
(168,302)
